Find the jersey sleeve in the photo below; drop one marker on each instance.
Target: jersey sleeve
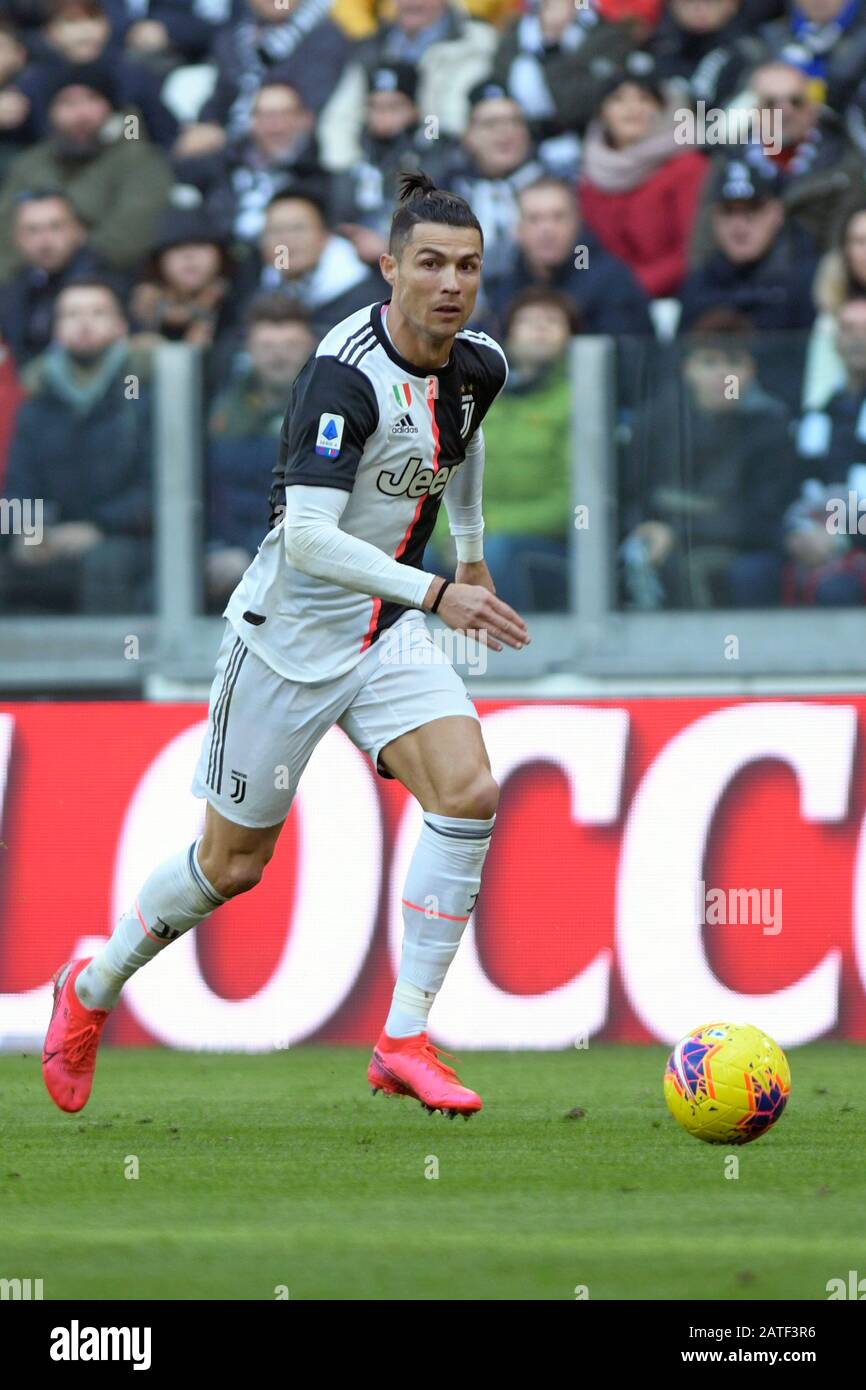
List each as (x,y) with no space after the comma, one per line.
(331,415)
(490,370)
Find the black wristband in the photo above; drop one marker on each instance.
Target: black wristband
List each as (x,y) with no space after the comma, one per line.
(438,599)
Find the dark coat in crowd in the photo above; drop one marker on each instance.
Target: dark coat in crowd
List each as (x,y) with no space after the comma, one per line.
(27,302)
(366,193)
(191,24)
(87,464)
(604,290)
(243,434)
(328,302)
(677,53)
(815,196)
(573,74)
(138,90)
(832,446)
(236,186)
(774,292)
(308,51)
(721,478)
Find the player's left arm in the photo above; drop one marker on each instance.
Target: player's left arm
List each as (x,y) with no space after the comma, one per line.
(463,495)
(462,500)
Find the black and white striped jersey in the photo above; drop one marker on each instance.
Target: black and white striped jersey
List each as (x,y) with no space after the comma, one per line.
(364,419)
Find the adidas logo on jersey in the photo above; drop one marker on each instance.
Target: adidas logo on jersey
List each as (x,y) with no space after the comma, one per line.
(405,425)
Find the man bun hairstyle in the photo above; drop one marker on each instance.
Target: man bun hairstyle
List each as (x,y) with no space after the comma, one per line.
(419,200)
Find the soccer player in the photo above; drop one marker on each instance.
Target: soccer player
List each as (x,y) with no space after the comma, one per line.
(326,627)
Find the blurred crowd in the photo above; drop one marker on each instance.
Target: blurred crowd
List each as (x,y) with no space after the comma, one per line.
(687,177)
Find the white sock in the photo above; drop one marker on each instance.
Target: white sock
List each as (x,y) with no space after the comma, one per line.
(175,898)
(441,887)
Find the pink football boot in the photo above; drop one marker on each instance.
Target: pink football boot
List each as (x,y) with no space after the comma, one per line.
(69,1053)
(412,1067)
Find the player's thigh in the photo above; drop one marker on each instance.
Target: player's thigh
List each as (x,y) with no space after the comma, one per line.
(413,716)
(261,731)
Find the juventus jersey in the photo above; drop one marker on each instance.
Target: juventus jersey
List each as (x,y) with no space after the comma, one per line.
(362,418)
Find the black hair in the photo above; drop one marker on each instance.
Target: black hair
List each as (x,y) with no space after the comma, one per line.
(42,195)
(97,281)
(549,298)
(272,306)
(304,192)
(419,200)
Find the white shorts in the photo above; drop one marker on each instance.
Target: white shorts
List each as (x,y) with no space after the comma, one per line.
(262,728)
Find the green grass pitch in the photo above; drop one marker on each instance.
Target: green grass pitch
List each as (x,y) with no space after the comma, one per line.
(282,1170)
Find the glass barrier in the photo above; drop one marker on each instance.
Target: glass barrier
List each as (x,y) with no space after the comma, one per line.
(245,400)
(77,504)
(729,494)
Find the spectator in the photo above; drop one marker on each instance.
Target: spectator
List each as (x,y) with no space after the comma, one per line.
(556,62)
(452,54)
(164,33)
(11,396)
(639,189)
(758,263)
(82,446)
(50,241)
(238,182)
(186,294)
(358,17)
(292,39)
(527,522)
(498,161)
(119,186)
(708,473)
(78,34)
(828,563)
(298,254)
(243,433)
(826,39)
(819,170)
(393,140)
(554,250)
(761,266)
(692,38)
(840,276)
(16,122)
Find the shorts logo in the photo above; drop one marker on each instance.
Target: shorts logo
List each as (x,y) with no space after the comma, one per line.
(330,436)
(239,786)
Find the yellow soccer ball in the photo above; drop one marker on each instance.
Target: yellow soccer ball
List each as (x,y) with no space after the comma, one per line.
(727,1083)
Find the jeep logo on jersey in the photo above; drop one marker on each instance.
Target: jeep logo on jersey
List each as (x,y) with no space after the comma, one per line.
(414,479)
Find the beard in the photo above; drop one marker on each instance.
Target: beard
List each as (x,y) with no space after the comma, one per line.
(76,150)
(85,357)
